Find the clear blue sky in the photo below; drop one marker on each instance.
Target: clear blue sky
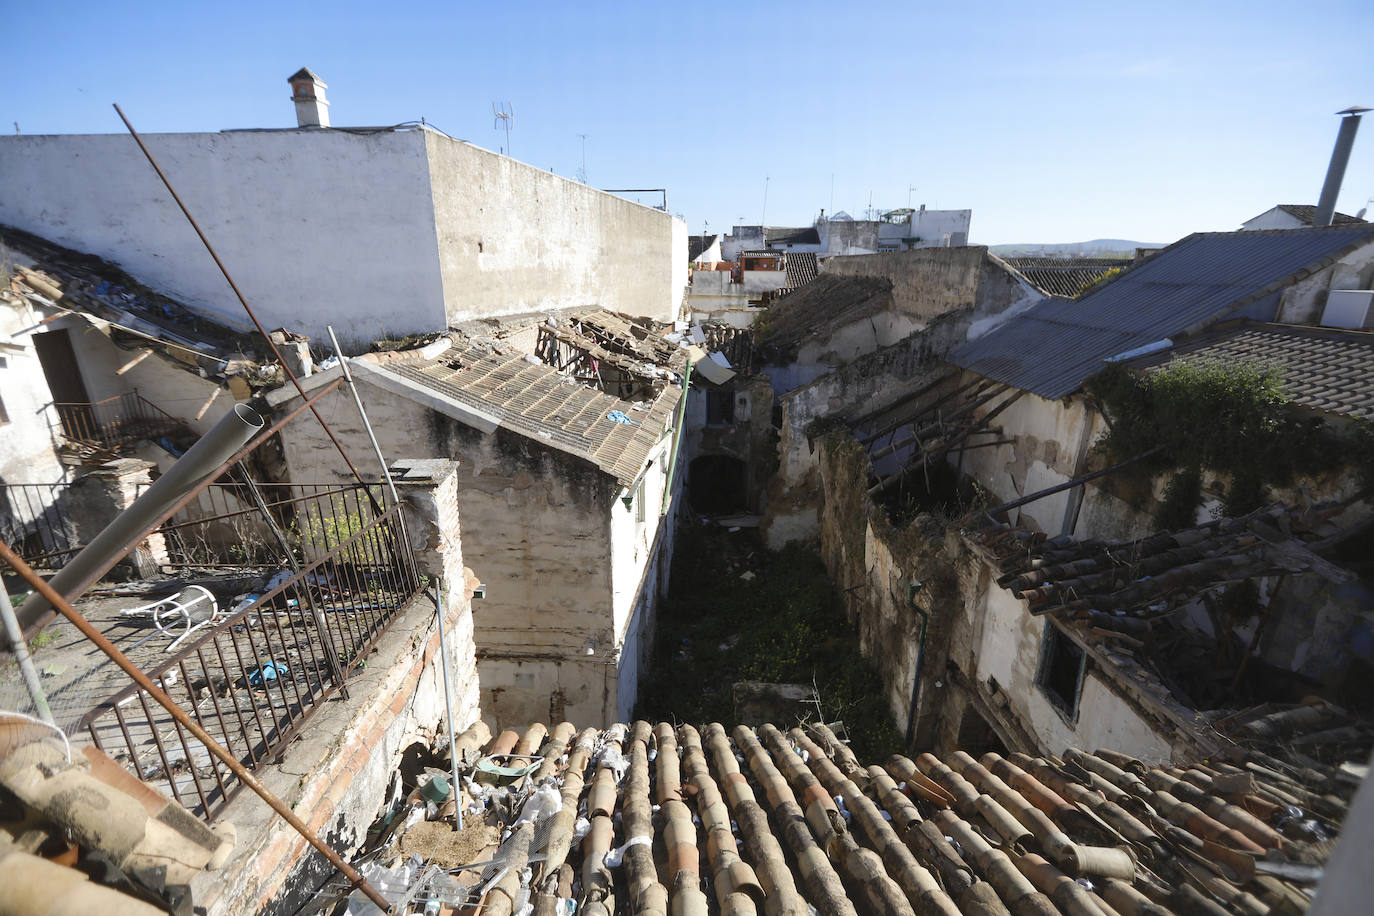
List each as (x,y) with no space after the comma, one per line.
(1052,122)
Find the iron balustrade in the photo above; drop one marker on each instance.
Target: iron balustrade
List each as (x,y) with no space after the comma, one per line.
(255,679)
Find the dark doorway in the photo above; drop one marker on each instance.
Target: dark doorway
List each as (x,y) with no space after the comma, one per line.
(58,360)
(976,736)
(717,485)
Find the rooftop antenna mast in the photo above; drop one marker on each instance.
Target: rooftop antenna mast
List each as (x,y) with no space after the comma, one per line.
(909,189)
(503,116)
(582,175)
(763,220)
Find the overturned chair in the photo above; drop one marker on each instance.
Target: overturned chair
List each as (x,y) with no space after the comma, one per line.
(186,611)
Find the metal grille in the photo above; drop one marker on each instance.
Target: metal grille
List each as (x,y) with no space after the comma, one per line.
(255,678)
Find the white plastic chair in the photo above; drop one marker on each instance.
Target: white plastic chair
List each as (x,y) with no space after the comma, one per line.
(193,607)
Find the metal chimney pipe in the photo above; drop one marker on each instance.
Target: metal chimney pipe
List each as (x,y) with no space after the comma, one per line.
(1335,172)
(120,536)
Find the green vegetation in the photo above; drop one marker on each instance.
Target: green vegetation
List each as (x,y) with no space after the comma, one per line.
(785,625)
(1230,418)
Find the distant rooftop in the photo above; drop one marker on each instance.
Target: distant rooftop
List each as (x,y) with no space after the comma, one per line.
(1307,212)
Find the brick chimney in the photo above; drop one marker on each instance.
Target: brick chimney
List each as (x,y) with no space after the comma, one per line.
(307,91)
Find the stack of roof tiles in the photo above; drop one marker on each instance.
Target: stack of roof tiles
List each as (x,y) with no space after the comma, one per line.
(658,819)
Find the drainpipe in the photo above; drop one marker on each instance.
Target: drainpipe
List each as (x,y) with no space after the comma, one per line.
(204,458)
(677,438)
(912,589)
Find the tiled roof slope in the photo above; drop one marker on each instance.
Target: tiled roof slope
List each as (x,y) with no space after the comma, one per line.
(1324,369)
(663,819)
(535,400)
(1307,212)
(802,268)
(1051,348)
(1067,277)
(826,303)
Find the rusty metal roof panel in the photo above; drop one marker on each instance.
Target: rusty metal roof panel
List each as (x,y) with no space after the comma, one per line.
(1054,346)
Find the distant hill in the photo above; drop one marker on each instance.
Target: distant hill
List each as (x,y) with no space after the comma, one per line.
(1097,248)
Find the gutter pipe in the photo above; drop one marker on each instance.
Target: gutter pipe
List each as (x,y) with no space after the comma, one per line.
(203,459)
(912,588)
(677,437)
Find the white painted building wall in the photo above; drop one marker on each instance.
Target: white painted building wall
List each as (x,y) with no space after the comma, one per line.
(315,226)
(381,234)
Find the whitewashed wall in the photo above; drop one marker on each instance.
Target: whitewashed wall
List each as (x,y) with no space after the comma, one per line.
(315,226)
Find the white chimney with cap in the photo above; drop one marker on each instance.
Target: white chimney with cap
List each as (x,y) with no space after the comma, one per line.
(307,91)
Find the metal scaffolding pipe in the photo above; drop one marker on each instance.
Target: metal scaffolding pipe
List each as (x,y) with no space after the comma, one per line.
(120,536)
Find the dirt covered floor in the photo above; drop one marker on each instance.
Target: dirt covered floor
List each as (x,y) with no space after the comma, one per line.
(738,612)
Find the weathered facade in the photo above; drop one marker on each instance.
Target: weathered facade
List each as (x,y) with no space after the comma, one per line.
(568,518)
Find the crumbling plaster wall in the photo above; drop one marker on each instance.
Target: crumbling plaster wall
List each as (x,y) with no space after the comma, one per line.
(1304,301)
(538,532)
(750,438)
(869,383)
(513,238)
(317,226)
(978,636)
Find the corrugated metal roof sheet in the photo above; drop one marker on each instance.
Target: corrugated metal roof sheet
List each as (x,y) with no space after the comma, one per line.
(1054,346)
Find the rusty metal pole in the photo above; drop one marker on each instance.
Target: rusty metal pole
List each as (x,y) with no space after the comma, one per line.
(246,307)
(190,724)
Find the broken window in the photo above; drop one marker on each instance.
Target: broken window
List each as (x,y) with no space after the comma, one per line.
(1062,663)
(720,407)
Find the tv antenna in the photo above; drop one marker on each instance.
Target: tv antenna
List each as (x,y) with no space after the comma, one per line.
(909,189)
(582,174)
(503,117)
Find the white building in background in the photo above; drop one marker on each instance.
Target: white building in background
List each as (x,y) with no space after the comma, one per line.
(381,232)
(841,234)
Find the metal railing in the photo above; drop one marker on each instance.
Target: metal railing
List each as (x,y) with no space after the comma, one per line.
(114,421)
(225,526)
(35,519)
(256,677)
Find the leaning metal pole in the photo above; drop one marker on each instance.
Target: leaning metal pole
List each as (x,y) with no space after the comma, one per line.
(189,723)
(246,307)
(20,648)
(203,459)
(448,706)
(439,585)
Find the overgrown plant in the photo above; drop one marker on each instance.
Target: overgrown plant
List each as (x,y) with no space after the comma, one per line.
(1230,418)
